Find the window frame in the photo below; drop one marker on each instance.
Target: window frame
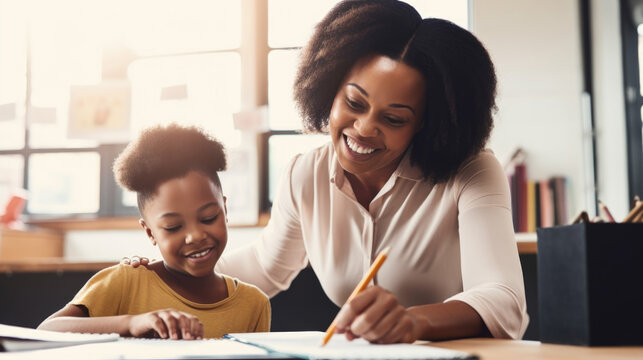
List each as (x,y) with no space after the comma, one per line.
(633,100)
(110,193)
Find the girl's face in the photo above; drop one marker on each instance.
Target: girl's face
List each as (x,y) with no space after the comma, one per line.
(186,218)
(375,114)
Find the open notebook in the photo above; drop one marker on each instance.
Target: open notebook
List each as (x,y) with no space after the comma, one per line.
(306,345)
(276,345)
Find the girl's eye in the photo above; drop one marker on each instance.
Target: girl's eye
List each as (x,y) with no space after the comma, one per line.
(172,228)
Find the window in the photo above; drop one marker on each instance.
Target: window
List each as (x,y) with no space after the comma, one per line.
(632,34)
(173,59)
(196,62)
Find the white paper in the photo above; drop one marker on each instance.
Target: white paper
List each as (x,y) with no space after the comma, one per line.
(151,349)
(308,344)
(15,338)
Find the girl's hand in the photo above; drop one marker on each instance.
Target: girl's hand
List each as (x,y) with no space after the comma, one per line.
(166,324)
(135,261)
(376,316)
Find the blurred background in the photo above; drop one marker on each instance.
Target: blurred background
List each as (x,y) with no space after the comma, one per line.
(80,79)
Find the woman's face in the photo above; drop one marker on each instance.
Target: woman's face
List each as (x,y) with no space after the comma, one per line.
(375,114)
(186,218)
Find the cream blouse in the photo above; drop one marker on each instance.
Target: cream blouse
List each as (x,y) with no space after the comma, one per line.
(449,241)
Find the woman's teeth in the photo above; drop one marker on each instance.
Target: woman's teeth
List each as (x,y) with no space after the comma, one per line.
(357,148)
(200,254)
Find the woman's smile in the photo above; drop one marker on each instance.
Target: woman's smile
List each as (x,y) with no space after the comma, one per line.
(358,150)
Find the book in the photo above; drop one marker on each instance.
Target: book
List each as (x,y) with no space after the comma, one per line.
(307,345)
(546,205)
(513,186)
(521,191)
(531,206)
(560,200)
(16,338)
(157,349)
(538,206)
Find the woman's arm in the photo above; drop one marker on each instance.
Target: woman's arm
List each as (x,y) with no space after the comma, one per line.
(274,260)
(167,323)
(491,273)
(449,320)
(492,301)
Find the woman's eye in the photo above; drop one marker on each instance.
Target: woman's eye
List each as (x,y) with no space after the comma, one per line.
(354,104)
(394,121)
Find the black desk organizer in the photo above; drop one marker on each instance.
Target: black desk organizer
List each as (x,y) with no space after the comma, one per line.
(590,284)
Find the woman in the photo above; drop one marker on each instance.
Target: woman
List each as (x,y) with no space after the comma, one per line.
(408,104)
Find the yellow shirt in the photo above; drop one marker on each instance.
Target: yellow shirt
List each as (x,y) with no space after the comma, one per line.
(124,290)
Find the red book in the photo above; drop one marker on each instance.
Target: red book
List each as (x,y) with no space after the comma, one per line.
(521,190)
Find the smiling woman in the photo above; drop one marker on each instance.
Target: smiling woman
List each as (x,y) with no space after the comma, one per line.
(374,117)
(408,103)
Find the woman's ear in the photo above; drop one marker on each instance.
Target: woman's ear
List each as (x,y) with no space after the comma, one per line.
(147,230)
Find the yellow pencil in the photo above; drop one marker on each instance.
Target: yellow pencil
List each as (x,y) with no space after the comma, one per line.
(634,212)
(361,286)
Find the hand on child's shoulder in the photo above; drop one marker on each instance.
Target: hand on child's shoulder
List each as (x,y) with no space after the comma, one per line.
(135,261)
(166,324)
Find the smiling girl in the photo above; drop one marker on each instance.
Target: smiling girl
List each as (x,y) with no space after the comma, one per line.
(173,170)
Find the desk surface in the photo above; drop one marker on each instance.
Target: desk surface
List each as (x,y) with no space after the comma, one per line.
(498,349)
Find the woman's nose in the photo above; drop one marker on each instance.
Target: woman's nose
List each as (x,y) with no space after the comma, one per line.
(366,125)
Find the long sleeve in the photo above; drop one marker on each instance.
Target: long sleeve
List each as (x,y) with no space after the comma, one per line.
(491,274)
(275,259)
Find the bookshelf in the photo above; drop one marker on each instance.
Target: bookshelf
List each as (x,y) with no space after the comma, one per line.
(540,89)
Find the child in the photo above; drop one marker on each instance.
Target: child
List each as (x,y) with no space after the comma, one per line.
(173,170)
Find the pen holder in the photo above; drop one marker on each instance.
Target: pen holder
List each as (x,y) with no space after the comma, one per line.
(590,284)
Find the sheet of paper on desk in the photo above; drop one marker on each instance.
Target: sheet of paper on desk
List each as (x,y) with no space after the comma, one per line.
(151,349)
(306,344)
(16,338)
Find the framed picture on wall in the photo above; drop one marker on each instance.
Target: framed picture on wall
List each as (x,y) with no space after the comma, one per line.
(100,112)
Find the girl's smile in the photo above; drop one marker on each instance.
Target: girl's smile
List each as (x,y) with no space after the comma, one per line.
(186,219)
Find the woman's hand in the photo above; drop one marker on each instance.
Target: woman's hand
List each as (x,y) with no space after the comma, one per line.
(376,316)
(166,324)
(135,261)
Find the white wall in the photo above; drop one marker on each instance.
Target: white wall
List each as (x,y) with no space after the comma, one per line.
(536,48)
